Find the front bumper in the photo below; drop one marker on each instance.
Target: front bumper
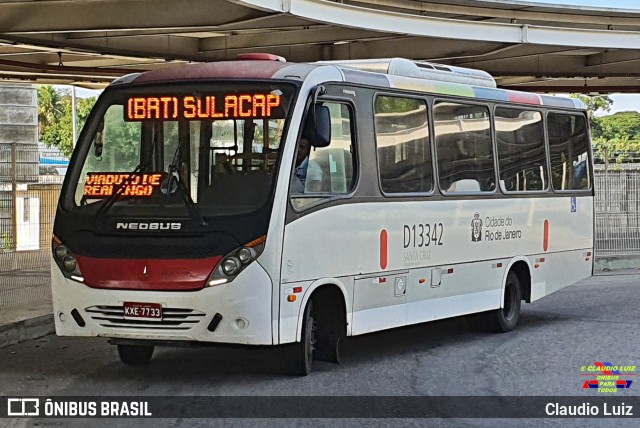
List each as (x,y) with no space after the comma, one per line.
(244,304)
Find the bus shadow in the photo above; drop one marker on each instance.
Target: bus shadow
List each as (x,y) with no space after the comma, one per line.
(267,362)
(449,332)
(203,366)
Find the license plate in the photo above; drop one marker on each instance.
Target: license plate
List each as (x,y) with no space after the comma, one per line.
(135,310)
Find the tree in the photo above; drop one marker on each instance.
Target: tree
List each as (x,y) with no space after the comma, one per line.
(121,143)
(55,117)
(616,136)
(50,106)
(625,123)
(595,104)
(613,136)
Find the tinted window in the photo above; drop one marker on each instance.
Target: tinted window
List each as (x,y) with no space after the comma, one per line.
(463,147)
(568,148)
(402,138)
(521,154)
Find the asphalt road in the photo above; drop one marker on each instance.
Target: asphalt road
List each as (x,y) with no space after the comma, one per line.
(595,320)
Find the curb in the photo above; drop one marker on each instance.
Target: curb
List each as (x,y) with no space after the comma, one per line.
(28,329)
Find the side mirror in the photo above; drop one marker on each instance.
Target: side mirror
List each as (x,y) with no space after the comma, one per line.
(99,140)
(97,149)
(317,128)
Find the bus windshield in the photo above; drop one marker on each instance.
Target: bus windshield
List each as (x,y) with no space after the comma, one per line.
(203,152)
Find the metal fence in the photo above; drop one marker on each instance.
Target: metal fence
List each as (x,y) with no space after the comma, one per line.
(617,207)
(29,189)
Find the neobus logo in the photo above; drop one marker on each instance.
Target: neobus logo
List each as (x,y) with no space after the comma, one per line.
(148,226)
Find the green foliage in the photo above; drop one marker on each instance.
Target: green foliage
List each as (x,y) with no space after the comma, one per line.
(613,136)
(626,123)
(121,144)
(55,117)
(50,106)
(616,135)
(595,104)
(6,242)
(386,104)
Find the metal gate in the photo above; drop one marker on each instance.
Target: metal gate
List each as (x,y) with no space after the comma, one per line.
(617,206)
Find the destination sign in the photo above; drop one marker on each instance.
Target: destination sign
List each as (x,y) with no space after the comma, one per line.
(245,106)
(103,185)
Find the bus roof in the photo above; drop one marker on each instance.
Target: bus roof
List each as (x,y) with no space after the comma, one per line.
(214,70)
(269,69)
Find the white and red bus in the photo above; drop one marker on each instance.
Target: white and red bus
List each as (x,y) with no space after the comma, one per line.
(185,215)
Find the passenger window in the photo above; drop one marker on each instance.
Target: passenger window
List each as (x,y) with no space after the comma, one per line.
(325,171)
(568,149)
(402,139)
(522,158)
(463,147)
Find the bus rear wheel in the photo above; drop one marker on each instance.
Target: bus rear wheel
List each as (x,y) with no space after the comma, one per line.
(506,318)
(134,355)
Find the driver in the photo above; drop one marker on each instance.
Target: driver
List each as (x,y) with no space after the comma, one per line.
(308,173)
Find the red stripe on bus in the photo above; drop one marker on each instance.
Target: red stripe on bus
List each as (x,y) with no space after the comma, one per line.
(383,249)
(147,274)
(524,97)
(212,70)
(545,239)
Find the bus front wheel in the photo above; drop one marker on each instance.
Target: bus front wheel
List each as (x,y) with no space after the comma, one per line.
(303,351)
(506,318)
(134,355)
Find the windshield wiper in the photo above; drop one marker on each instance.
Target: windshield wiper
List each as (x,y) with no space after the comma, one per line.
(168,190)
(108,203)
(174,177)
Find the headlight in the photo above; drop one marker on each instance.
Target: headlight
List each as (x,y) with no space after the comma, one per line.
(66,260)
(69,263)
(61,252)
(231,266)
(234,262)
(246,255)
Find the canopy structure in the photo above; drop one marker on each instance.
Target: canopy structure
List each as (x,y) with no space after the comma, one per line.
(524,45)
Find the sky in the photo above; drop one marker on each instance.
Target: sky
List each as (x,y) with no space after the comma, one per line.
(624,102)
(86,93)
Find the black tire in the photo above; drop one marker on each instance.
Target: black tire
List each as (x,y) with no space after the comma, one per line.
(506,318)
(134,355)
(330,328)
(303,351)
